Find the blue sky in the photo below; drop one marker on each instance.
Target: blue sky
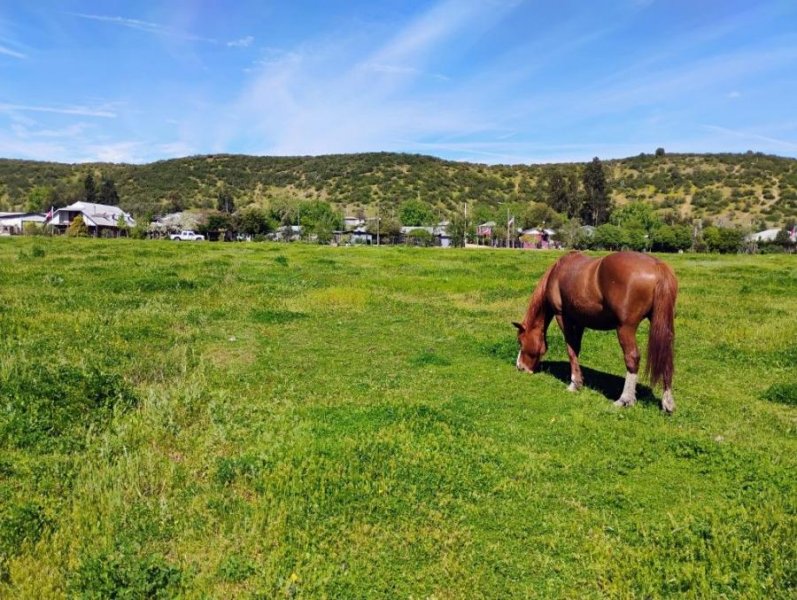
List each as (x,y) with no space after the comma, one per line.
(494,81)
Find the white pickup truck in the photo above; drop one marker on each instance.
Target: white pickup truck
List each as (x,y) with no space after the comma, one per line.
(187,236)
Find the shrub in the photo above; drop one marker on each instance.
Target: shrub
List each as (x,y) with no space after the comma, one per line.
(122,574)
(77,228)
(139,232)
(419,237)
(30,228)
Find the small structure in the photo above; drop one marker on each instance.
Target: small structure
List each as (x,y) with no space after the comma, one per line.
(352,223)
(100,219)
(535,238)
(13,223)
(768,235)
(361,235)
(286,233)
(438,235)
(485,230)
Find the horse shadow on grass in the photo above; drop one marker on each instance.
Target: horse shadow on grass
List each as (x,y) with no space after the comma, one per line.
(611,386)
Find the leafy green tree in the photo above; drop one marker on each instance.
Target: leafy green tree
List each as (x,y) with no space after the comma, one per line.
(671,238)
(319,219)
(253,221)
(638,215)
(539,214)
(284,211)
(570,233)
(108,193)
(40,198)
(415,212)
(388,228)
(722,239)
(89,189)
(213,224)
(659,152)
(609,237)
(597,205)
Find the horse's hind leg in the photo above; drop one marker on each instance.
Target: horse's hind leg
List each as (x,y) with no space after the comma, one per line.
(627,336)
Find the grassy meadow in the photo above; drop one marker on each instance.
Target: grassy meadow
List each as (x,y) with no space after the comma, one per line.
(291,421)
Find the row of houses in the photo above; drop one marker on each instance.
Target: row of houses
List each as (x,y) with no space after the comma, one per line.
(101,220)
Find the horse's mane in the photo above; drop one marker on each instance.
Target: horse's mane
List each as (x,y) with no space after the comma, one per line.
(538,297)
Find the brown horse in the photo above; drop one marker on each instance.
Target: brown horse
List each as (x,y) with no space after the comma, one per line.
(613,292)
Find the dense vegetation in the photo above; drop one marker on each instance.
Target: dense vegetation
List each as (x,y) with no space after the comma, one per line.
(264,420)
(747,189)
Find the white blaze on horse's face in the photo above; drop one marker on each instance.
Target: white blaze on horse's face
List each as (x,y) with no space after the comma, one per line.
(532,347)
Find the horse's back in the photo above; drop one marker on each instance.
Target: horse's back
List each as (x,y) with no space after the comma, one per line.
(628,284)
(602,293)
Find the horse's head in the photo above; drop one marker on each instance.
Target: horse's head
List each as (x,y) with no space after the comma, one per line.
(532,347)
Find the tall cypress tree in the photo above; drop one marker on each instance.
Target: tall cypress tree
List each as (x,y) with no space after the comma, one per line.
(597,205)
(90,188)
(108,193)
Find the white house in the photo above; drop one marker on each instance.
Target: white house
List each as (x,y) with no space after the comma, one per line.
(12,223)
(98,218)
(769,235)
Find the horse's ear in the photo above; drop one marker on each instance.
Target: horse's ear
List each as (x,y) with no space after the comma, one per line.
(520,327)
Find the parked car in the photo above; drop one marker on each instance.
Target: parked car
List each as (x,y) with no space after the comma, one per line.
(187,236)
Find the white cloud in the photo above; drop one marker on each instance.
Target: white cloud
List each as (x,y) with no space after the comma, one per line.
(244,42)
(85,111)
(753,137)
(146,26)
(325,98)
(13,53)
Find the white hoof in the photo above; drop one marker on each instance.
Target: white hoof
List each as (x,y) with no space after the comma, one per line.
(668,402)
(623,401)
(573,387)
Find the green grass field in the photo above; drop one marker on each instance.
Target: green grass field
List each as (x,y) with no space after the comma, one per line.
(269,421)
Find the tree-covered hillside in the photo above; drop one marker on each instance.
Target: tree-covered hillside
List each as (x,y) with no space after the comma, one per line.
(748,189)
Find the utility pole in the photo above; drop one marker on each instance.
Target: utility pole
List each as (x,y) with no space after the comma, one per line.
(507,226)
(465,232)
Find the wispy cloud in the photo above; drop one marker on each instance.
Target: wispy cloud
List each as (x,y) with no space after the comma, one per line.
(146,26)
(25,131)
(85,111)
(243,42)
(13,53)
(753,137)
(402,70)
(317,99)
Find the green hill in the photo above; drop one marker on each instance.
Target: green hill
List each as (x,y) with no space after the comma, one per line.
(745,189)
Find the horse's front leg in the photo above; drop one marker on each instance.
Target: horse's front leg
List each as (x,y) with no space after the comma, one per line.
(627,336)
(573,335)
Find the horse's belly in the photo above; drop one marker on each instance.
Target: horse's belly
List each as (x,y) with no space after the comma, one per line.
(591,315)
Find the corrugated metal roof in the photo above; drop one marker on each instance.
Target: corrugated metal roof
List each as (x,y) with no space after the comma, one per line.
(101,215)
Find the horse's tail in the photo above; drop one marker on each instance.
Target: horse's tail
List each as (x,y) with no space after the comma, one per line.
(659,366)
